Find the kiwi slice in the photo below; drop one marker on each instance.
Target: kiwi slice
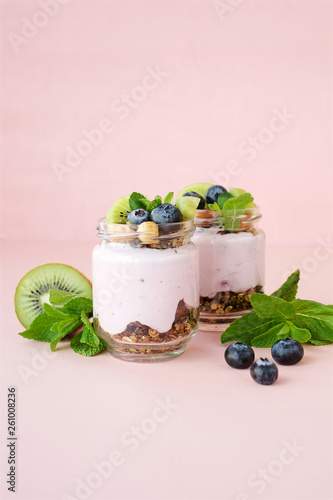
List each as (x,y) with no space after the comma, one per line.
(33,289)
(119,211)
(188,206)
(198,187)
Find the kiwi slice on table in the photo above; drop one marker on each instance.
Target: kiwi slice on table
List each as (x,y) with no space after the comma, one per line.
(188,206)
(119,211)
(33,289)
(199,187)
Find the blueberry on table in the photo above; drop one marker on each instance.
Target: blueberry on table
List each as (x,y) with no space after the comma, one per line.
(264,372)
(239,355)
(166,213)
(138,216)
(287,351)
(202,202)
(213,193)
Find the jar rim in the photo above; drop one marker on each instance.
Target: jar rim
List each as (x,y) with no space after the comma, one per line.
(208,217)
(167,231)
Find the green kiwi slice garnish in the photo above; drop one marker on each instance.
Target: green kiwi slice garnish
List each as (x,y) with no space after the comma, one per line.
(119,211)
(188,206)
(33,289)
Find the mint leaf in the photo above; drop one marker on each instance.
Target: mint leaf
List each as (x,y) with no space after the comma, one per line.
(67,325)
(40,329)
(267,339)
(168,198)
(86,349)
(54,342)
(234,209)
(135,201)
(53,312)
(223,197)
(316,318)
(88,333)
(247,328)
(157,201)
(289,288)
(268,307)
(235,205)
(300,334)
(60,297)
(78,305)
(144,202)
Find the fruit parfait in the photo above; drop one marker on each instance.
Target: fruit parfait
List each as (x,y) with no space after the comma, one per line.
(145,277)
(231,252)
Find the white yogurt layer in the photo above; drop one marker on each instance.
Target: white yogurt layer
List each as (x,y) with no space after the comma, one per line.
(142,284)
(229,262)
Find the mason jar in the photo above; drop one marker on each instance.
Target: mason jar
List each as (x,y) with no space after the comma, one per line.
(231,264)
(145,290)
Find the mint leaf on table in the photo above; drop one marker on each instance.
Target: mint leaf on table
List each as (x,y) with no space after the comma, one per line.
(280,315)
(289,288)
(88,333)
(53,312)
(40,329)
(136,201)
(169,197)
(267,339)
(78,305)
(300,334)
(246,328)
(85,349)
(316,318)
(57,322)
(268,307)
(60,297)
(222,198)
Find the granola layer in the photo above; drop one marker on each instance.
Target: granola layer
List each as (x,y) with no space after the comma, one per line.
(136,333)
(228,302)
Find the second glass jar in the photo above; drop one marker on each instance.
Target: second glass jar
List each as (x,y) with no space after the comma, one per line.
(231,265)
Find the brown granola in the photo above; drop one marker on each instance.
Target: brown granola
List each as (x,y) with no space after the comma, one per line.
(228,302)
(135,333)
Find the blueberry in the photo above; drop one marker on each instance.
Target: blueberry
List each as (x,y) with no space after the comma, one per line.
(239,355)
(202,202)
(213,193)
(264,372)
(166,213)
(138,216)
(287,351)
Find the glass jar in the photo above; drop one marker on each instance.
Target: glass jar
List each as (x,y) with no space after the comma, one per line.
(231,265)
(145,290)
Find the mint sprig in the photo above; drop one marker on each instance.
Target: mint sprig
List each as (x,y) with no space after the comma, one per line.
(66,313)
(136,201)
(279,316)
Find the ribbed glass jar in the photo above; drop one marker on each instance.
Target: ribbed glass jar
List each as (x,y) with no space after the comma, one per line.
(145,290)
(231,264)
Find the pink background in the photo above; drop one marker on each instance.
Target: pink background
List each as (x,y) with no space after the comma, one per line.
(227,71)
(227,68)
